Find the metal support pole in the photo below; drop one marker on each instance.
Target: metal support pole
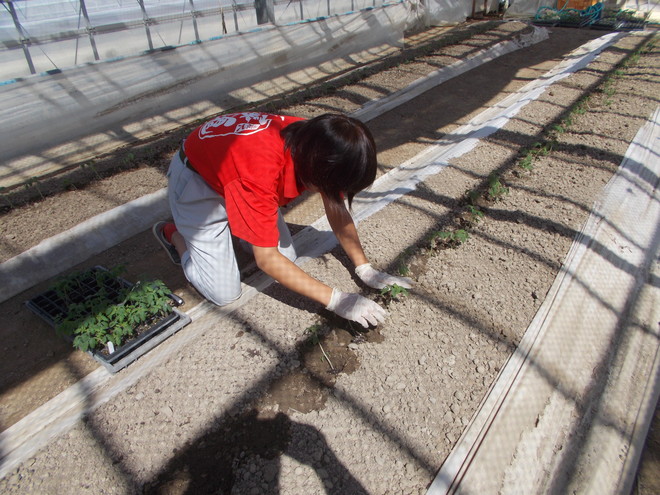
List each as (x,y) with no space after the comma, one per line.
(25,41)
(90,29)
(147,21)
(265,11)
(222,18)
(193,13)
(233,6)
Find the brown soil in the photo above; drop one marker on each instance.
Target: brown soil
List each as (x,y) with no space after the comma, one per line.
(202,426)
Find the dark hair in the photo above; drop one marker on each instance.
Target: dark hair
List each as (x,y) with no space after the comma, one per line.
(334,153)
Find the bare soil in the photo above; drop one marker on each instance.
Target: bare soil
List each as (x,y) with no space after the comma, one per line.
(282,397)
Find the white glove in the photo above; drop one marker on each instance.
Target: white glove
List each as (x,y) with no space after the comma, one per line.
(356,308)
(378,280)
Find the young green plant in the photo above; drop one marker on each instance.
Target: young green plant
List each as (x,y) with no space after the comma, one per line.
(472,215)
(448,239)
(6,197)
(538,149)
(392,292)
(313,333)
(34,182)
(90,165)
(496,190)
(110,314)
(402,262)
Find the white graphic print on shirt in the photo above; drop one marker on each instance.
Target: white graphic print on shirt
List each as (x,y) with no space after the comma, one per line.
(239,124)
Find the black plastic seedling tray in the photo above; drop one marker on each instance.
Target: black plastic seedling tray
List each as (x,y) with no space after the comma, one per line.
(51,308)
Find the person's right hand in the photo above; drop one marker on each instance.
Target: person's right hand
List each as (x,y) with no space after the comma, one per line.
(356,308)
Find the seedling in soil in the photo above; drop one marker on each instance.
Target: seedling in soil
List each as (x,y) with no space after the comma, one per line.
(609,90)
(69,185)
(6,198)
(402,262)
(33,181)
(472,197)
(447,239)
(538,149)
(527,161)
(558,129)
(472,216)
(495,188)
(545,148)
(314,338)
(91,166)
(129,159)
(392,292)
(582,106)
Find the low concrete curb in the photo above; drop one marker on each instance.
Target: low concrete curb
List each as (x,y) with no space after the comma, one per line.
(65,250)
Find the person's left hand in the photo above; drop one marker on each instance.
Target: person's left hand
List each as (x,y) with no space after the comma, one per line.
(377,280)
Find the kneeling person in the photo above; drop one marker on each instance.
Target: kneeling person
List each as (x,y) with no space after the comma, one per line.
(231,176)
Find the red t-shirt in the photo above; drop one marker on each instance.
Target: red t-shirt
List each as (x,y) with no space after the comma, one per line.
(242,157)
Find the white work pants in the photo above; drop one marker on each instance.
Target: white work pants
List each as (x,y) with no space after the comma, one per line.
(199,213)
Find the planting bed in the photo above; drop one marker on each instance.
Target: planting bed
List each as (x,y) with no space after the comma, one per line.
(280,396)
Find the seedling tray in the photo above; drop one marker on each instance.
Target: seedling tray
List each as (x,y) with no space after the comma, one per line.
(51,308)
(606,25)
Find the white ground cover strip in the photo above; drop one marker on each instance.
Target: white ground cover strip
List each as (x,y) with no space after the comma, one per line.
(570,410)
(55,417)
